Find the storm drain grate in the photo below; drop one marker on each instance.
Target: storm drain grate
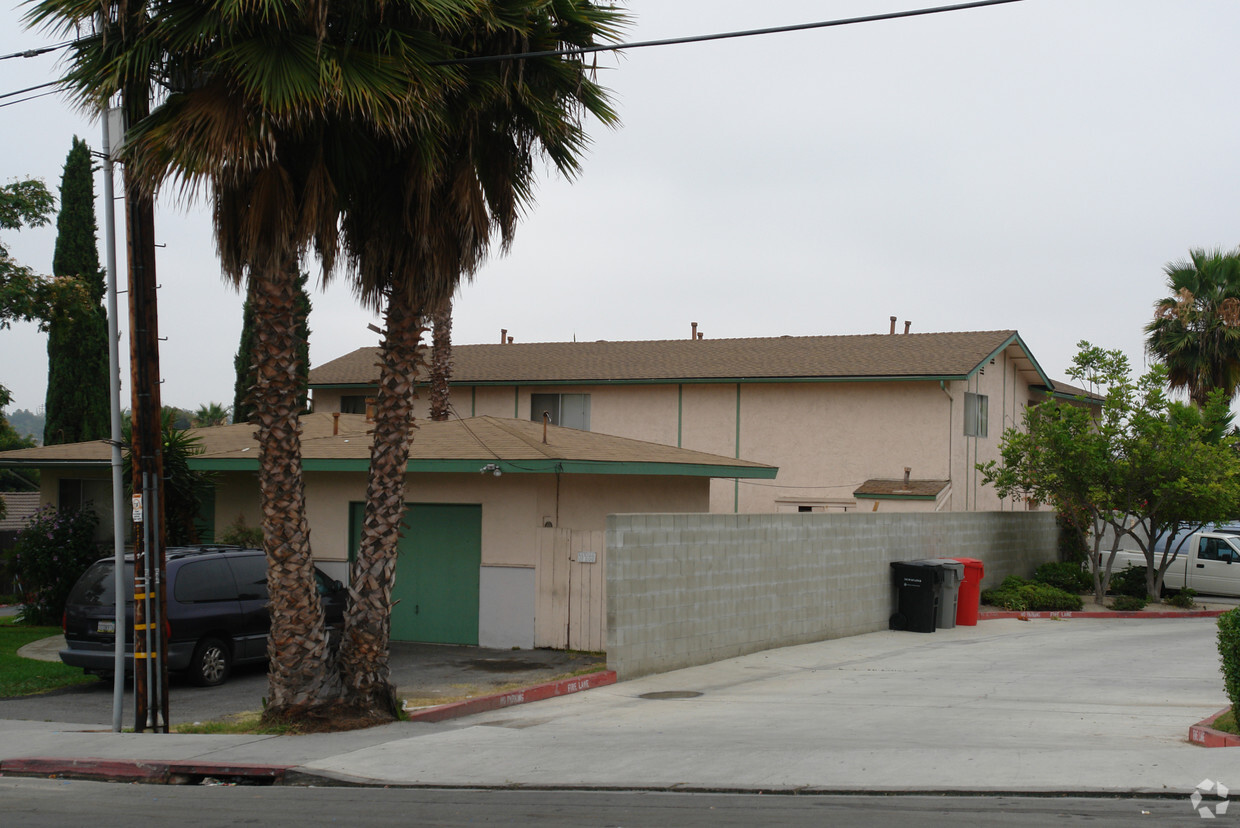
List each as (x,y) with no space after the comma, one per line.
(670,694)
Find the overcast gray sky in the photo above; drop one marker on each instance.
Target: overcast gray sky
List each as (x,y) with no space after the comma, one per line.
(1029,166)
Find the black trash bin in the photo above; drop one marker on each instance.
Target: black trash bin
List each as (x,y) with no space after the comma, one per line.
(918,586)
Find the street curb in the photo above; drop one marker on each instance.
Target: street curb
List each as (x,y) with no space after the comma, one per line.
(538,692)
(1206,736)
(139,770)
(1027,615)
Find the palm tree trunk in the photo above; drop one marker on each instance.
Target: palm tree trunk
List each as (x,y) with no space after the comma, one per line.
(441,361)
(300,677)
(364,648)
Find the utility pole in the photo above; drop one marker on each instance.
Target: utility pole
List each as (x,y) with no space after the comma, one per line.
(150,630)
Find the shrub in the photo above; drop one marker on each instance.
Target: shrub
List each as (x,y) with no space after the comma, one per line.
(1229,655)
(1065,575)
(239,534)
(51,552)
(1128,603)
(1129,581)
(1018,594)
(1183,599)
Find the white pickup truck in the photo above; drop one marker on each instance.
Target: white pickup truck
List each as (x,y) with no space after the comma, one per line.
(1209,563)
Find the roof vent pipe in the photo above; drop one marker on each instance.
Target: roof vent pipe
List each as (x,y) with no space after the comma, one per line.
(893,324)
(907,471)
(907,325)
(700,335)
(510,340)
(693,335)
(503,335)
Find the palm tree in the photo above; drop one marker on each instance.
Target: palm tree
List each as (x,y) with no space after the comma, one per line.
(441,362)
(258,100)
(415,225)
(1196,330)
(210,414)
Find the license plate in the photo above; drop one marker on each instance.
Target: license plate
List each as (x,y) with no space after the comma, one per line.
(107,627)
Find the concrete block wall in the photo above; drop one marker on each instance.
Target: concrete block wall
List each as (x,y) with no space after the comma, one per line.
(690,589)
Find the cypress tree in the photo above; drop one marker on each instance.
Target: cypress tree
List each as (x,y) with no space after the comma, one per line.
(77,343)
(243,362)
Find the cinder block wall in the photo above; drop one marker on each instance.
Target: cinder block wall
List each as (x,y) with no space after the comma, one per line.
(690,589)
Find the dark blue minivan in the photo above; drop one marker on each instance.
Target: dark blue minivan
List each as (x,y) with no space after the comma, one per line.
(217,612)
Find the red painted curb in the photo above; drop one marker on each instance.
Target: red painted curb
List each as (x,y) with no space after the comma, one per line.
(499,700)
(1026,615)
(1206,736)
(132,770)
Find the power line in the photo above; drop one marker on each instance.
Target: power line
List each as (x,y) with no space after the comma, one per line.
(23,100)
(675,41)
(30,89)
(618,47)
(29,53)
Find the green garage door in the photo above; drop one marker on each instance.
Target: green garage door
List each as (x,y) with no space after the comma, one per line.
(436,589)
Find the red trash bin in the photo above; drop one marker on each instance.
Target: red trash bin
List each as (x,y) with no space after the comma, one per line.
(970,592)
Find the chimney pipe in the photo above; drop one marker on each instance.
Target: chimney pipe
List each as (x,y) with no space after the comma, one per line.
(907,325)
(700,335)
(893,324)
(510,340)
(335,423)
(503,335)
(907,471)
(694,334)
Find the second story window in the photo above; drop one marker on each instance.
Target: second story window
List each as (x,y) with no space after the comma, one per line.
(567,410)
(976,414)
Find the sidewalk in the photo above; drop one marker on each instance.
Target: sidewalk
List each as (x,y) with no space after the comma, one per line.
(1042,706)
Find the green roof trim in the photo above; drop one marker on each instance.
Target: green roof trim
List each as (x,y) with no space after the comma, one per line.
(546,466)
(672,381)
(1014,338)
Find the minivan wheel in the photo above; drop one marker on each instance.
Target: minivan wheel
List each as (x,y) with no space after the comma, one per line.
(211,663)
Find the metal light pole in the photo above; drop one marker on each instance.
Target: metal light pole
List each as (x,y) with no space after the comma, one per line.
(114,397)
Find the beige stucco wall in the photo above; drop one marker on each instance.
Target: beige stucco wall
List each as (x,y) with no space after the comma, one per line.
(825,437)
(514,506)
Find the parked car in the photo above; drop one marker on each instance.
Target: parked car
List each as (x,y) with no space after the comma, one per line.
(217,612)
(1207,562)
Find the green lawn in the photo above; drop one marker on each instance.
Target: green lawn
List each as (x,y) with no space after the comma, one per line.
(25,676)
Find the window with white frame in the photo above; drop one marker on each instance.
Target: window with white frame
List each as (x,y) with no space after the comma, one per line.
(567,410)
(976,414)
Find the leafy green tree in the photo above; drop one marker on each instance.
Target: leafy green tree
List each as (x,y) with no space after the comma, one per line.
(1196,330)
(22,291)
(1146,467)
(77,345)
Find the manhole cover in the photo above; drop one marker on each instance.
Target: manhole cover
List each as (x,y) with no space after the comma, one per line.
(671,694)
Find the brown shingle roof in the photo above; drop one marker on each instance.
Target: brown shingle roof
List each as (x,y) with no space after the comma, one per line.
(477,440)
(937,355)
(898,488)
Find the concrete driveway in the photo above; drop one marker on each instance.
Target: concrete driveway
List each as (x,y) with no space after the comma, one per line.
(1078,705)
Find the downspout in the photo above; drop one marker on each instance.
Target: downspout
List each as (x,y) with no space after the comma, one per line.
(951,410)
(680,415)
(736,481)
